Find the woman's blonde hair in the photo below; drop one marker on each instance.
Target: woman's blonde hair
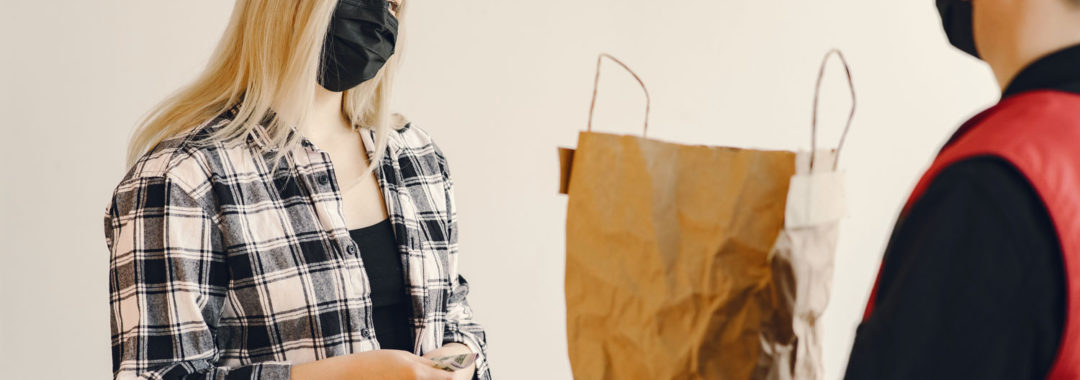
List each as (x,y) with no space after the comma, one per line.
(267,64)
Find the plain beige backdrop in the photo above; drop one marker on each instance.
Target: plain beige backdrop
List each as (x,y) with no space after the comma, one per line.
(499,84)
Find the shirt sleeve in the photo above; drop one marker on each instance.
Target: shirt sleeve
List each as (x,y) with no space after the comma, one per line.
(460,325)
(167,280)
(973,284)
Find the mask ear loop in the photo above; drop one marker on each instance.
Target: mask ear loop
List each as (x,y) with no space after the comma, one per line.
(596,87)
(817,95)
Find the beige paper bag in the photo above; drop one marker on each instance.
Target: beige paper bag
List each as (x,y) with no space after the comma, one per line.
(679,264)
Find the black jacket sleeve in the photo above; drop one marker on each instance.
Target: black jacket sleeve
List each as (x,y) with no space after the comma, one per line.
(973,284)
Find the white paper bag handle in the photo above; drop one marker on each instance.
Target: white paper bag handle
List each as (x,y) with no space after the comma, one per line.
(817,95)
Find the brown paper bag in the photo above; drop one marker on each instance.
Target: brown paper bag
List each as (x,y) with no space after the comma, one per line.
(669,271)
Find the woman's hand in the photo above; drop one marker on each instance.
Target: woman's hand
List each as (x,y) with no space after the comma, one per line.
(378,364)
(455,349)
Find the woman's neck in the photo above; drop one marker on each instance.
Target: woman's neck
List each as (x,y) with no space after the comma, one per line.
(326,122)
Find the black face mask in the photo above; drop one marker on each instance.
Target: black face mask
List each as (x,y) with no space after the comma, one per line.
(956,16)
(360,40)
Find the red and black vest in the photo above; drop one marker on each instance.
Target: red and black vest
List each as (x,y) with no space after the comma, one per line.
(1038,132)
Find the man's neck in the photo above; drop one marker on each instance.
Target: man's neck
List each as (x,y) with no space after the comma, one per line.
(1049,26)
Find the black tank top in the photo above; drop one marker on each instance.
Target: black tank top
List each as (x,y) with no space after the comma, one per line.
(392,306)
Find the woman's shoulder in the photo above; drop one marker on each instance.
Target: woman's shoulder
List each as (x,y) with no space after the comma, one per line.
(183,158)
(414,137)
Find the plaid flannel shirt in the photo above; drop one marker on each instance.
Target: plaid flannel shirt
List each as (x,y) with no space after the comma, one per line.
(219,270)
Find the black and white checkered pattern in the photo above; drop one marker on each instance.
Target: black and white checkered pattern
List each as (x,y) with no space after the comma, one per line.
(220,269)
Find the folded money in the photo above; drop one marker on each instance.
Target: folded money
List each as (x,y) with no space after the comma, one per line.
(454,362)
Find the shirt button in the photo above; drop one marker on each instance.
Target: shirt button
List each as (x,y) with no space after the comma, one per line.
(322,179)
(365,333)
(351,249)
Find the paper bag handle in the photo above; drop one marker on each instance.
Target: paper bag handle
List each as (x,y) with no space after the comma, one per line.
(596,87)
(817,95)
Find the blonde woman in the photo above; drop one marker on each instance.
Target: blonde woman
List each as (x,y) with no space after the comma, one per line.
(277,222)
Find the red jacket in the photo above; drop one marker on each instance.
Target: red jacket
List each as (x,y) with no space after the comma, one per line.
(1039,133)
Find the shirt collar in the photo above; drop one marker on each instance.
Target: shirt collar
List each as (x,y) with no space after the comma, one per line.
(259,136)
(1059,70)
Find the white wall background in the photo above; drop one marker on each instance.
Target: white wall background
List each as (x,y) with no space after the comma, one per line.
(500,84)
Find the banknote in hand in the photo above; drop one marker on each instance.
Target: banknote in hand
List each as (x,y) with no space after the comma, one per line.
(454,362)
